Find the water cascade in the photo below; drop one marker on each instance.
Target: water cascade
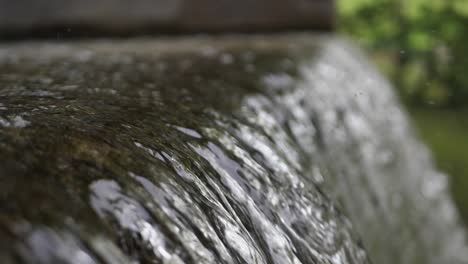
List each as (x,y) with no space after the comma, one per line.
(237,149)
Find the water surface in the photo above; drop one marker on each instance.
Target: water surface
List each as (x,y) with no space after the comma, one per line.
(280,149)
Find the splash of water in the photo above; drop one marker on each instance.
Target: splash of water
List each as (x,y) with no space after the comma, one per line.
(280,149)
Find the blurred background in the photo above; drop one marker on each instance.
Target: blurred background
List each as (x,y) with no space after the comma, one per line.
(422,47)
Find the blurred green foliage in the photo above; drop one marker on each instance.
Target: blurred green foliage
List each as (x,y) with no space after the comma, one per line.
(421,44)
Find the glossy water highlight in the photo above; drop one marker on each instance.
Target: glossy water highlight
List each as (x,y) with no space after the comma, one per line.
(279,149)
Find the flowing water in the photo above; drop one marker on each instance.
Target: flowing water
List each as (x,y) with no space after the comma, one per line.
(242,149)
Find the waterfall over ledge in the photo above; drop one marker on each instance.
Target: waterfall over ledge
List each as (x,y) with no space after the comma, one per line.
(232,149)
